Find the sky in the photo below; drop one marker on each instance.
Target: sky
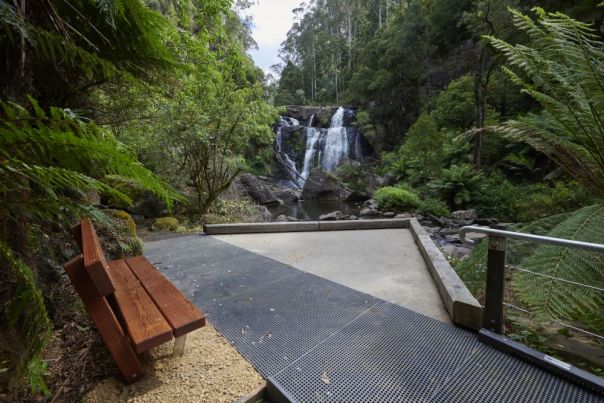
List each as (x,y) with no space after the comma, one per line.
(272,20)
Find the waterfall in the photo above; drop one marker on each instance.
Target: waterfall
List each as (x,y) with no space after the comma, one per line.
(336,142)
(312,137)
(290,165)
(324,148)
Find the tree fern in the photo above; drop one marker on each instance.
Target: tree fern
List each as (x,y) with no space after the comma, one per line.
(563,69)
(562,301)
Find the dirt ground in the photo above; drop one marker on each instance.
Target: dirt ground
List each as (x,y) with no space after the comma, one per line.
(210,370)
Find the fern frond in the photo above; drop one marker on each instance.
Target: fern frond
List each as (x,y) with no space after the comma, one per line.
(562,68)
(562,301)
(26,311)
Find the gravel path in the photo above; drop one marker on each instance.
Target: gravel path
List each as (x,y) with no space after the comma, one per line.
(210,370)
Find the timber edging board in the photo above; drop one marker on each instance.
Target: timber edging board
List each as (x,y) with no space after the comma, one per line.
(462,307)
(303,226)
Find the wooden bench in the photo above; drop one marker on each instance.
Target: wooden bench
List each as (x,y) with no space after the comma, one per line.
(134,307)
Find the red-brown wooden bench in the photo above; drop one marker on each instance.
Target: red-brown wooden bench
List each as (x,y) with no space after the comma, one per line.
(134,307)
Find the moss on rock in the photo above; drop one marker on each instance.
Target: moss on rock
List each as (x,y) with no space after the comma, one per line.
(165,224)
(125,218)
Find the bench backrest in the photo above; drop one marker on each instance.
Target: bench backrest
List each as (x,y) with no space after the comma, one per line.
(93,256)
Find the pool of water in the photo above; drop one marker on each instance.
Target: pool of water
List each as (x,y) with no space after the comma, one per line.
(311,209)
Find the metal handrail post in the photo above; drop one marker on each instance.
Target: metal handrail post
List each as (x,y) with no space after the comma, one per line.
(493,303)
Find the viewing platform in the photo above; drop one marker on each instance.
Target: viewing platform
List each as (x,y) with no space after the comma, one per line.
(350,311)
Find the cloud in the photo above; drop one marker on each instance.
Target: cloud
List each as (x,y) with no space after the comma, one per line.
(272,20)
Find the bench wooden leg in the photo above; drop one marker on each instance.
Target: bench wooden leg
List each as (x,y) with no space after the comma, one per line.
(107,324)
(179,345)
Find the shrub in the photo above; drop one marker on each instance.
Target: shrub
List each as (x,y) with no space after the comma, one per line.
(457,185)
(397,199)
(455,107)
(421,155)
(543,200)
(496,197)
(433,206)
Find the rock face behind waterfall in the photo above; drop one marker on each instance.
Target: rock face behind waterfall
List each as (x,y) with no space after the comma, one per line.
(308,138)
(323,186)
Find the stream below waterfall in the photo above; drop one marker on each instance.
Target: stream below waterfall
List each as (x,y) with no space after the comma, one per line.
(310,210)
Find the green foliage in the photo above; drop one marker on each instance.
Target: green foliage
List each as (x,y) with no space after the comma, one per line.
(36,370)
(562,68)
(354,176)
(118,38)
(226,211)
(433,206)
(396,199)
(473,270)
(63,153)
(543,200)
(420,157)
(550,299)
(457,185)
(27,324)
(454,107)
(497,197)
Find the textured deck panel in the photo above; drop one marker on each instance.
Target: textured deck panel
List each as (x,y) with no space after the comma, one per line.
(316,340)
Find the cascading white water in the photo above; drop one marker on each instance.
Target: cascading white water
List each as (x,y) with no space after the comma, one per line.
(336,142)
(325,148)
(312,136)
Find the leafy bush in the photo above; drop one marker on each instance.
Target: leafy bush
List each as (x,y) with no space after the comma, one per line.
(457,185)
(496,197)
(420,157)
(542,200)
(433,206)
(226,211)
(397,199)
(455,107)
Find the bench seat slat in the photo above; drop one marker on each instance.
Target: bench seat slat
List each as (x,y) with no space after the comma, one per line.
(181,313)
(145,324)
(123,276)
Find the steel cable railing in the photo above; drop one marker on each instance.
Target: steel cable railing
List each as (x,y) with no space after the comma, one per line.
(494,300)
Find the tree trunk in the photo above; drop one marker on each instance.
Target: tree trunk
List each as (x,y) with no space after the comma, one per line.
(480,106)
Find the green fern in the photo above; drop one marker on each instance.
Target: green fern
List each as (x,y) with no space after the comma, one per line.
(551,299)
(473,270)
(27,318)
(563,69)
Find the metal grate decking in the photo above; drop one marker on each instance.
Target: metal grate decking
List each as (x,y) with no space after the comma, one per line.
(316,340)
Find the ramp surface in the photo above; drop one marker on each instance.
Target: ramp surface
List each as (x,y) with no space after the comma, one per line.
(317,340)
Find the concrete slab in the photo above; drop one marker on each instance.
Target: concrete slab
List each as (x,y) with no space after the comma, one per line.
(385,263)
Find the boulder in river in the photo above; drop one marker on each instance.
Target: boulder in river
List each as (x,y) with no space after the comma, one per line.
(321,185)
(258,191)
(463,217)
